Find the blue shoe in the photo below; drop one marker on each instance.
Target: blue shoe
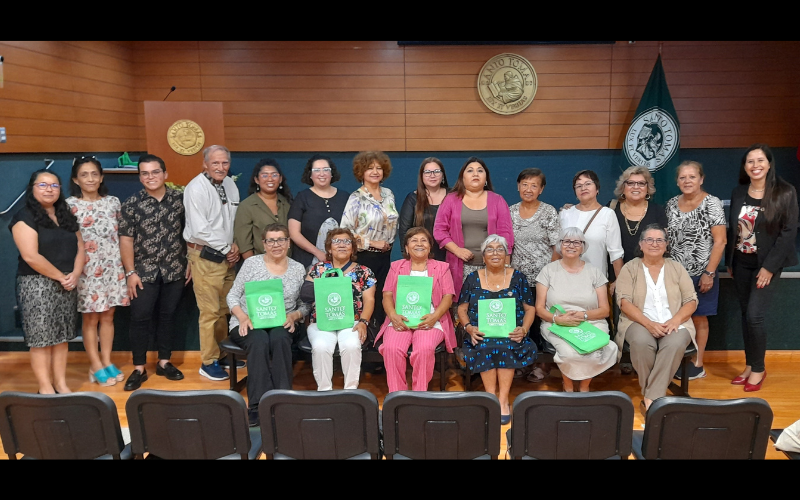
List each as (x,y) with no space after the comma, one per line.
(102,377)
(214,372)
(225,363)
(115,372)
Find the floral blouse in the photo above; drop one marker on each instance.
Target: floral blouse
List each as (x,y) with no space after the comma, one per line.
(534,239)
(362,277)
(370,219)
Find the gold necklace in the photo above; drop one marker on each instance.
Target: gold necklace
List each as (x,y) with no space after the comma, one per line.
(486,273)
(633,231)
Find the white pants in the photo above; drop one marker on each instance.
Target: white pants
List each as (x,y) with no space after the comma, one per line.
(322,347)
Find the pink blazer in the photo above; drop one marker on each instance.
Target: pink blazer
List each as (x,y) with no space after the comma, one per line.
(447,227)
(442,285)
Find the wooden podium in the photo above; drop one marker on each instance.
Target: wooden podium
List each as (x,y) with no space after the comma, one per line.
(159,116)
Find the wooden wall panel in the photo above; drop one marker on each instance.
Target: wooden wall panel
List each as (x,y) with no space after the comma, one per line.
(356,95)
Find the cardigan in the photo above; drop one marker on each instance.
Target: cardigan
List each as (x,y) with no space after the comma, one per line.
(442,285)
(632,286)
(447,227)
(775,250)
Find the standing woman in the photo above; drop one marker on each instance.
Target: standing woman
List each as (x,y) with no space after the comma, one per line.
(268,203)
(102,285)
(597,223)
(633,208)
(420,211)
(51,259)
(371,216)
(467,216)
(316,210)
(760,245)
(697,241)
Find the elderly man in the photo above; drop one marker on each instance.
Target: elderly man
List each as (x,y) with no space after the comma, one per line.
(211,200)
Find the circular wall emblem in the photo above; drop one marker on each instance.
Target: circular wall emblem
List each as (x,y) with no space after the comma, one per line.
(507,84)
(652,139)
(265,300)
(496,306)
(185,137)
(412,297)
(334,299)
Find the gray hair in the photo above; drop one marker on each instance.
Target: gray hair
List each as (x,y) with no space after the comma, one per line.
(571,233)
(211,149)
(494,238)
(653,227)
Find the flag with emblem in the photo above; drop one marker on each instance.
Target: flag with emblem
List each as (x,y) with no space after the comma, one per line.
(653,138)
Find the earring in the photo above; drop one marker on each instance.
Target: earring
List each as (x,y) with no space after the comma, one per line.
(258,188)
(647,196)
(622,196)
(280,187)
(485,184)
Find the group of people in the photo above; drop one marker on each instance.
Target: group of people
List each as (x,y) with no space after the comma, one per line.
(644,272)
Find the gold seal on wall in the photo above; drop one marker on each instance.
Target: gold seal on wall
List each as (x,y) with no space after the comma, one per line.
(185,137)
(507,84)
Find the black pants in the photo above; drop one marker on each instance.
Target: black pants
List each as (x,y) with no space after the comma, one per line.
(166,296)
(755,304)
(380,264)
(265,372)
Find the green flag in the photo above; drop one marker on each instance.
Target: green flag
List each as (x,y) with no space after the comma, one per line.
(653,139)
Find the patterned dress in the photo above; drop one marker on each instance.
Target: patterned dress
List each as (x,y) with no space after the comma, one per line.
(690,239)
(361,276)
(494,353)
(533,239)
(102,284)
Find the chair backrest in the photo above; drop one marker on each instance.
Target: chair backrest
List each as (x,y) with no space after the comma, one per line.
(441,425)
(188,424)
(341,424)
(81,425)
(571,425)
(690,428)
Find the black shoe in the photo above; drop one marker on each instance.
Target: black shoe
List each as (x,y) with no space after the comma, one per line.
(225,363)
(135,380)
(252,416)
(169,371)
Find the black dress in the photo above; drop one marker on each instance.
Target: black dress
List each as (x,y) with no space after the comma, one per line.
(311,210)
(406,222)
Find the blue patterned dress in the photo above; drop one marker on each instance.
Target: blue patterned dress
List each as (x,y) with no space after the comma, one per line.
(494,353)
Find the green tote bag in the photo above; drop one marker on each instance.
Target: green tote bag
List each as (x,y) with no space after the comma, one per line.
(413,298)
(497,318)
(265,303)
(333,298)
(584,338)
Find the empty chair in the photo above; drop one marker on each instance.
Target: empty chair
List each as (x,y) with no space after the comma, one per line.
(191,425)
(441,425)
(338,424)
(571,425)
(683,428)
(82,425)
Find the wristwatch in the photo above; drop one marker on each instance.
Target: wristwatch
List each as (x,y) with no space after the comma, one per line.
(365,321)
(585,315)
(709,273)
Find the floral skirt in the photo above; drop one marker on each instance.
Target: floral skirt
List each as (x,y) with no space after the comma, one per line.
(498,353)
(49,313)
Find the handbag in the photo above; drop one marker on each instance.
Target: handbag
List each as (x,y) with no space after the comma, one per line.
(265,305)
(414,298)
(497,318)
(333,298)
(584,338)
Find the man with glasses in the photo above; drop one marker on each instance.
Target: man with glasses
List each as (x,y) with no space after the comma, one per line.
(154,256)
(211,200)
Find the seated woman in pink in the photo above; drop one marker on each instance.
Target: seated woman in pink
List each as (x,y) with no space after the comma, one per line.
(434,327)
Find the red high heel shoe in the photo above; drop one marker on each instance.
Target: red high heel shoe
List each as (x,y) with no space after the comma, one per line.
(739,380)
(748,387)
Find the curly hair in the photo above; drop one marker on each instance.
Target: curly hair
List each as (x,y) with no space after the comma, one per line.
(269,162)
(306,177)
(365,159)
(329,243)
(66,219)
(77,163)
(619,190)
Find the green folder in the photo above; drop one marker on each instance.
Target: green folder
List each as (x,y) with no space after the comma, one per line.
(497,318)
(584,338)
(413,298)
(265,303)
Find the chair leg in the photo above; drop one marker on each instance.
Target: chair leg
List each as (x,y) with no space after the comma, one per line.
(685,377)
(233,372)
(442,371)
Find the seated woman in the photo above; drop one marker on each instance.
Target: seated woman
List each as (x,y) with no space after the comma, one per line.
(580,288)
(657,299)
(269,351)
(339,253)
(497,358)
(434,327)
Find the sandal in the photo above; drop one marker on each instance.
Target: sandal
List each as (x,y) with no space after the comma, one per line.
(537,375)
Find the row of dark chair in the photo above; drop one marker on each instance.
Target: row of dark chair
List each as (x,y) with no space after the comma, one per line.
(348,425)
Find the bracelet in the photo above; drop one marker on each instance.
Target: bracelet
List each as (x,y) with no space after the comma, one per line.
(555,315)
(129,273)
(365,321)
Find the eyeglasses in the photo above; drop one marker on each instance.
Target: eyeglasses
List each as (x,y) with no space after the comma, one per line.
(272,242)
(44,185)
(638,184)
(572,243)
(655,241)
(431,173)
(152,173)
(585,184)
(492,251)
(341,241)
(269,175)
(325,170)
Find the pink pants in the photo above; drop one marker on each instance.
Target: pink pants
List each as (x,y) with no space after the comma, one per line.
(395,351)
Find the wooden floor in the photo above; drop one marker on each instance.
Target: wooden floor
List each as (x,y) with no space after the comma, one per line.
(781,391)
